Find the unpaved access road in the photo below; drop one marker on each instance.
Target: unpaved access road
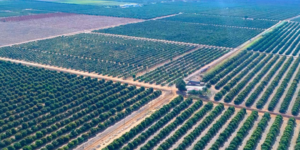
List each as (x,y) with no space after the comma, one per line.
(230,54)
(106,137)
(92,75)
(136,83)
(252,109)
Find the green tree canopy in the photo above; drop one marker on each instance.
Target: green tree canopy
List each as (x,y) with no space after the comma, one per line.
(180,85)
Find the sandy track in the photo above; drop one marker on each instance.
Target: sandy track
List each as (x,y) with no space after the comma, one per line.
(289,34)
(252,109)
(277,87)
(156,133)
(162,17)
(295,135)
(289,37)
(238,82)
(295,49)
(227,26)
(297,37)
(213,140)
(226,144)
(158,40)
(284,124)
(92,75)
(259,71)
(178,127)
(157,87)
(206,129)
(266,87)
(189,131)
(289,111)
(293,17)
(231,53)
(251,132)
(262,79)
(106,137)
(168,61)
(278,105)
(264,135)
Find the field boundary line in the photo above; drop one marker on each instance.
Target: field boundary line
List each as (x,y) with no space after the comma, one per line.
(87,74)
(140,115)
(168,61)
(162,17)
(249,109)
(229,54)
(219,15)
(159,40)
(290,19)
(219,25)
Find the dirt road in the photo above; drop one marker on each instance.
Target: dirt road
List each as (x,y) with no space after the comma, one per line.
(231,53)
(92,75)
(158,40)
(252,109)
(106,137)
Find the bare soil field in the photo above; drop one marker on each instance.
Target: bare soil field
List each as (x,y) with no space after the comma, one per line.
(26,28)
(32,17)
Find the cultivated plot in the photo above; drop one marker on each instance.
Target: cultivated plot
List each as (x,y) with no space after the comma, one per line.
(88,2)
(284,40)
(223,20)
(187,32)
(34,27)
(18,8)
(47,109)
(182,67)
(196,125)
(107,55)
(258,80)
(259,10)
(146,11)
(33,17)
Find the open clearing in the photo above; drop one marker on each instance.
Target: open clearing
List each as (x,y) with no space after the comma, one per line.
(21,31)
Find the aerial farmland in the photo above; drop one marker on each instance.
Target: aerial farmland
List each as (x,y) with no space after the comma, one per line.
(149,75)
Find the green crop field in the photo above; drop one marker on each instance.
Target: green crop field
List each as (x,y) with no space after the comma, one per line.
(222,20)
(186,32)
(182,67)
(147,11)
(185,75)
(11,8)
(86,2)
(46,109)
(188,124)
(257,10)
(282,40)
(151,9)
(105,55)
(297,19)
(259,80)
